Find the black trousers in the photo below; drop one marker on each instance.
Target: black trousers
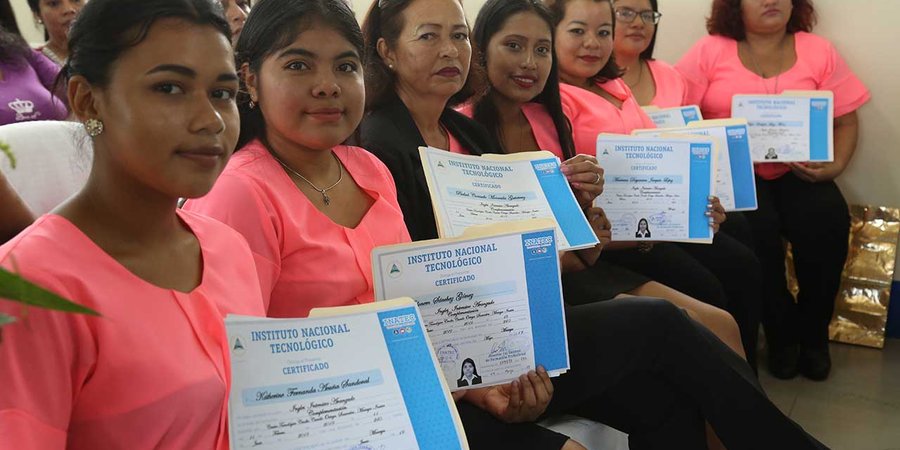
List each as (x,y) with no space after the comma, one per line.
(815,219)
(644,367)
(725,274)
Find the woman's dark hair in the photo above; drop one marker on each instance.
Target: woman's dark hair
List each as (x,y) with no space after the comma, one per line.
(8,18)
(468,360)
(105,29)
(385,20)
(272,25)
(611,70)
(14,51)
(727,19)
(491,18)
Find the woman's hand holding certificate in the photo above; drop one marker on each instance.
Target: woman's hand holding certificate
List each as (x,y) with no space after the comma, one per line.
(585,175)
(523,400)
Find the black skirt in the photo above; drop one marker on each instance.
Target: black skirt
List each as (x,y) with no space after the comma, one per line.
(602,281)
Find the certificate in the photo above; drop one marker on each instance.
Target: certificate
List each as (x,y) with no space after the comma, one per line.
(657,188)
(735,182)
(477,190)
(491,300)
(797,126)
(673,117)
(365,378)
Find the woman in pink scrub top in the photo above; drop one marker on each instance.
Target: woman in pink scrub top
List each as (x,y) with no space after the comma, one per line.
(152,371)
(765,47)
(653,82)
(311,208)
(597,100)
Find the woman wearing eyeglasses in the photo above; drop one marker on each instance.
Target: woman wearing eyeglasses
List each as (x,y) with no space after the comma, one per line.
(652,82)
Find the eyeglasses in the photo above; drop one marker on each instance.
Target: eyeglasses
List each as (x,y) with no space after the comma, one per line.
(628,15)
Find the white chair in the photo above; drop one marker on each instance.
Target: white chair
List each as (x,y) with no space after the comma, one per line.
(592,435)
(53,159)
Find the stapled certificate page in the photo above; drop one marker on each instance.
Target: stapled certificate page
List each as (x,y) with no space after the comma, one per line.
(796,126)
(476,190)
(657,188)
(491,300)
(735,180)
(673,117)
(360,377)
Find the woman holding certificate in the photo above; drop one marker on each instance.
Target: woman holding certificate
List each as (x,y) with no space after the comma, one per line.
(153,82)
(527,115)
(292,189)
(597,100)
(420,51)
(652,82)
(765,47)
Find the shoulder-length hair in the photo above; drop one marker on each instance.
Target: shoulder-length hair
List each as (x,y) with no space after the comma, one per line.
(490,20)
(611,70)
(727,20)
(385,20)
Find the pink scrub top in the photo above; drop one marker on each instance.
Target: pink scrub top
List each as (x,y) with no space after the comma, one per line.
(671,88)
(542,127)
(592,114)
(305,260)
(714,74)
(152,372)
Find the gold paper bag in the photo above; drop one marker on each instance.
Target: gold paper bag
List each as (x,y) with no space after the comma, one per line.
(861,307)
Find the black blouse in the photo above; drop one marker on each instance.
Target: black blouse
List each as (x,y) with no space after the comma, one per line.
(390,133)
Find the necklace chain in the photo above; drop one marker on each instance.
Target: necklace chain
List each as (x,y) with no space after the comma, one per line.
(324,192)
(760,71)
(640,75)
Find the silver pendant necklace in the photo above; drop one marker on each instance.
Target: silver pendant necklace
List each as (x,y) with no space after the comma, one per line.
(760,71)
(324,192)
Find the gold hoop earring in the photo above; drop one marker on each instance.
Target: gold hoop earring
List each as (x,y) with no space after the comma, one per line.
(94,127)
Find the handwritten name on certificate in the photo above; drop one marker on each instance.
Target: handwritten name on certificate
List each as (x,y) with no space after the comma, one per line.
(735,181)
(797,126)
(492,305)
(477,190)
(657,189)
(673,117)
(355,381)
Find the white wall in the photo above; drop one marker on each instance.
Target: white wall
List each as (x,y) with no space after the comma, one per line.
(25,19)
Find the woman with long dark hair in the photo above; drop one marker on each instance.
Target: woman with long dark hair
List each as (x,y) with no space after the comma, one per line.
(153,82)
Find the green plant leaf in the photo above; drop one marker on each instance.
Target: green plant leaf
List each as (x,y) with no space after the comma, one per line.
(6,319)
(18,289)
(4,148)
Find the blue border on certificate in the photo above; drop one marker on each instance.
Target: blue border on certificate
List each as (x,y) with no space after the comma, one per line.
(818,128)
(569,217)
(701,173)
(422,391)
(741,167)
(545,300)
